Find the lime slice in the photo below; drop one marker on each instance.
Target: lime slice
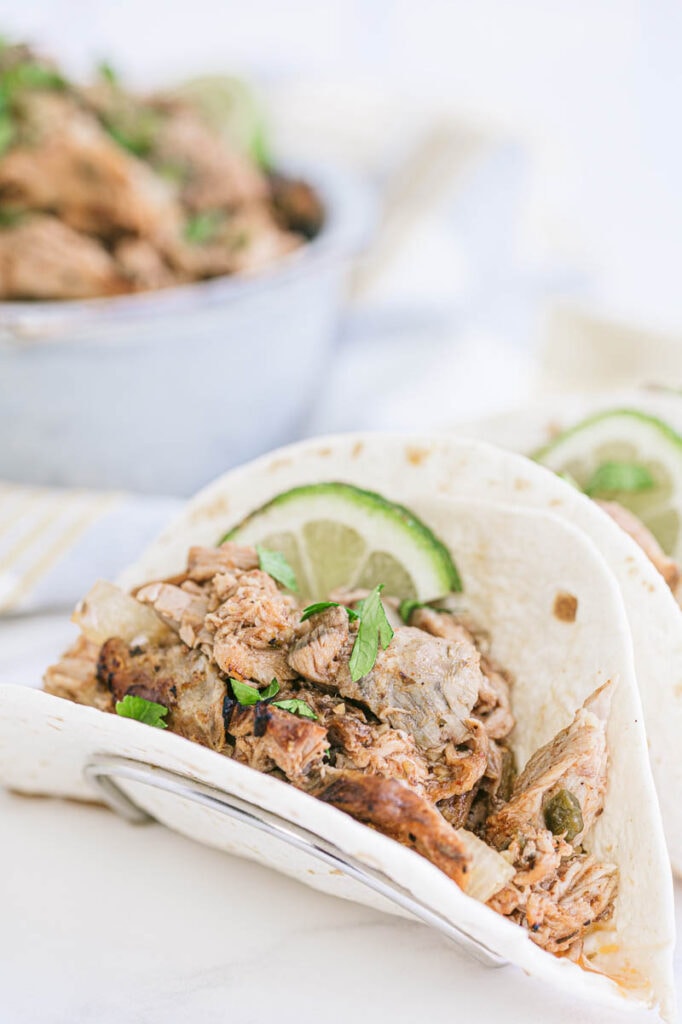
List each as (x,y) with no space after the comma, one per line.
(336,535)
(640,450)
(231,107)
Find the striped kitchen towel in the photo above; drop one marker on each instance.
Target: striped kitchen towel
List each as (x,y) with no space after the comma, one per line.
(54,543)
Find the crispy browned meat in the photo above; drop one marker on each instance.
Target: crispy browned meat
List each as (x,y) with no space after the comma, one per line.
(669,569)
(182,680)
(575,761)
(74,677)
(40,257)
(297,205)
(395,810)
(267,737)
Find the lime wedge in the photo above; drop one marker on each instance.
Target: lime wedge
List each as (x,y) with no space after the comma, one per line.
(634,451)
(336,535)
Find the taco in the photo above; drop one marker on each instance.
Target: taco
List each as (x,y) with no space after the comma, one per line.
(443,687)
(617,465)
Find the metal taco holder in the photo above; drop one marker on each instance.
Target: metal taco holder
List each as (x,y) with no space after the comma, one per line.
(104,771)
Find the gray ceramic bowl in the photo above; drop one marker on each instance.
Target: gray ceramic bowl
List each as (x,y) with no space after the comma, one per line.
(159,392)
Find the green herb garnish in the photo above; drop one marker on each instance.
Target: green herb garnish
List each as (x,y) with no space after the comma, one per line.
(7,131)
(374,629)
(107,73)
(202,227)
(275,564)
(612,477)
(408,606)
(296,707)
(142,710)
(322,606)
(246,694)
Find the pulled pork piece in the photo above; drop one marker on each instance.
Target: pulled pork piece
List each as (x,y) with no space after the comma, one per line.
(493,707)
(74,677)
(322,652)
(252,629)
(557,910)
(205,563)
(71,167)
(41,258)
(142,266)
(397,811)
(184,681)
(669,569)
(422,684)
(266,737)
(357,744)
(218,176)
(558,891)
(573,763)
(238,618)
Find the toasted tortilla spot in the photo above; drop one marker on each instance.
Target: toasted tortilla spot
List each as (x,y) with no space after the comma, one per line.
(357,449)
(219,507)
(416,456)
(521,484)
(565,607)
(276,464)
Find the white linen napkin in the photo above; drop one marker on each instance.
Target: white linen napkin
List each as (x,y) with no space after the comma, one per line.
(55,542)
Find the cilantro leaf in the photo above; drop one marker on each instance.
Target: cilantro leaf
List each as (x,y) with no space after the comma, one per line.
(244,693)
(619,476)
(408,606)
(296,707)
(107,73)
(143,710)
(270,690)
(275,564)
(203,226)
(374,629)
(322,606)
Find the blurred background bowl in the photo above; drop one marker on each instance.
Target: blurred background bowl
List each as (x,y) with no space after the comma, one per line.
(161,391)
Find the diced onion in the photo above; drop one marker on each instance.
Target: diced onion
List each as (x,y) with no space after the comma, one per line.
(489,871)
(107,611)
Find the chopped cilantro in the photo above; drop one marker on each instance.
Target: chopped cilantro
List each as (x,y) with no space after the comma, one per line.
(296,707)
(613,477)
(143,710)
(322,606)
(374,629)
(275,564)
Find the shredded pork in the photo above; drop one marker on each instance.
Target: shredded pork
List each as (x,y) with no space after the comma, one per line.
(104,192)
(416,749)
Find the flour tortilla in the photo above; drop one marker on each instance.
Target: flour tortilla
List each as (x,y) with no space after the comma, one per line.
(654,615)
(513,562)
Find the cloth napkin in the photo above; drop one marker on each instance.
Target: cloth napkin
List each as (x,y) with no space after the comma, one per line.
(54,543)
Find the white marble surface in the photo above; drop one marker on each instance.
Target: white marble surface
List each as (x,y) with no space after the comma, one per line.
(101,921)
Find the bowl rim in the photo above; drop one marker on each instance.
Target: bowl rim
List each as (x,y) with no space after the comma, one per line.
(347,225)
